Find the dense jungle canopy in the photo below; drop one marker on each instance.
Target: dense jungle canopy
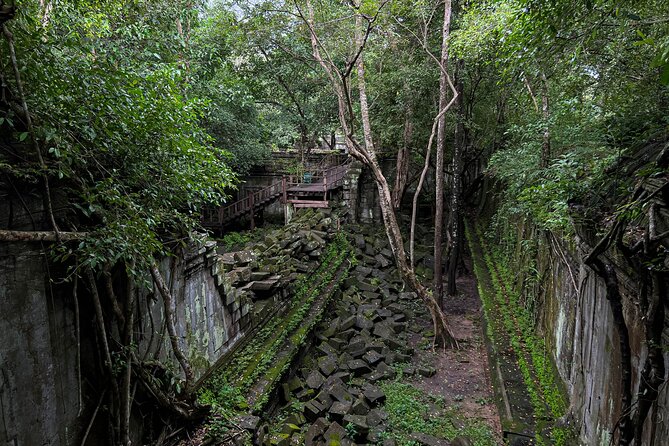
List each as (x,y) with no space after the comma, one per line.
(142,111)
(125,119)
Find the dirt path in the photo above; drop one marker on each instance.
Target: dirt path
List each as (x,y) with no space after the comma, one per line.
(462,376)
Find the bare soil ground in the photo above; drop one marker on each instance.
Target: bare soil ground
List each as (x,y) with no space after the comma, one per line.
(463,376)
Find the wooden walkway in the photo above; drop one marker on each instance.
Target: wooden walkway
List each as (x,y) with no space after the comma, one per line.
(300,193)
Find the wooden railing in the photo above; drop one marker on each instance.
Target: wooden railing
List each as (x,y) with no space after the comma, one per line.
(244,205)
(327,180)
(331,178)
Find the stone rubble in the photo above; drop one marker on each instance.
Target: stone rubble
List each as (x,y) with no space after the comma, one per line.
(337,387)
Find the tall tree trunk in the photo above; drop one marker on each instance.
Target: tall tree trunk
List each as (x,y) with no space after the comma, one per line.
(460,141)
(403,157)
(366,154)
(441,139)
(126,390)
(545,112)
(403,161)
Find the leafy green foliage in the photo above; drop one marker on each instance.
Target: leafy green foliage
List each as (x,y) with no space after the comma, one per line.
(599,66)
(510,319)
(232,239)
(107,92)
(581,156)
(408,411)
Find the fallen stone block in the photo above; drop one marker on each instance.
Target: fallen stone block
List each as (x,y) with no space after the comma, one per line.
(315,380)
(337,343)
(359,241)
(339,393)
(347,323)
(296,418)
(335,435)
(373,394)
(359,423)
(426,372)
(339,409)
(331,329)
(327,365)
(382,261)
(295,384)
(248,422)
(348,334)
(383,331)
(259,275)
(410,296)
(324,399)
(244,257)
(312,410)
(385,313)
(361,322)
(305,394)
(360,407)
(372,357)
(358,367)
(375,417)
(263,285)
(326,349)
(376,346)
(365,287)
(428,440)
(315,432)
(356,343)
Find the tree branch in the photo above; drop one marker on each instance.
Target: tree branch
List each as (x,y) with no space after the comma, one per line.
(40,236)
(169,319)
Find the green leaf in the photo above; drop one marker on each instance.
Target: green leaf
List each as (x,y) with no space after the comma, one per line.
(23,136)
(664,75)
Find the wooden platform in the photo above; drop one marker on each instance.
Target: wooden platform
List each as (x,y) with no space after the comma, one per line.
(309,203)
(293,190)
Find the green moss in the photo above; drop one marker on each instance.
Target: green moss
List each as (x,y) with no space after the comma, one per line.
(407,408)
(225,390)
(509,318)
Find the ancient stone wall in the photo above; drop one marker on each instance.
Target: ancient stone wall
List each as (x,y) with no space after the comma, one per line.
(577,323)
(38,375)
(219,298)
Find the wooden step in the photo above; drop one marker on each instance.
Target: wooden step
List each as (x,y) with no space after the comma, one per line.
(309,203)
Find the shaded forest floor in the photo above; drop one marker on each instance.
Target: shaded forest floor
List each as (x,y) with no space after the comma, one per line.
(463,376)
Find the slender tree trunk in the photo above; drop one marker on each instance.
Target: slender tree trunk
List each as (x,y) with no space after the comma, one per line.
(367,156)
(31,130)
(455,239)
(169,320)
(403,162)
(109,365)
(126,393)
(39,236)
(545,111)
(439,176)
(423,174)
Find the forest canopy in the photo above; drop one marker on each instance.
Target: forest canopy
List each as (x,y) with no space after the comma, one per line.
(123,121)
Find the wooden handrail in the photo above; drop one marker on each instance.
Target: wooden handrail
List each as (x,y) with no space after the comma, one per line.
(247,203)
(329,179)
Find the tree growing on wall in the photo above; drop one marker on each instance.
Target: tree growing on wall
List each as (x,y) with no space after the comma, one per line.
(96,103)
